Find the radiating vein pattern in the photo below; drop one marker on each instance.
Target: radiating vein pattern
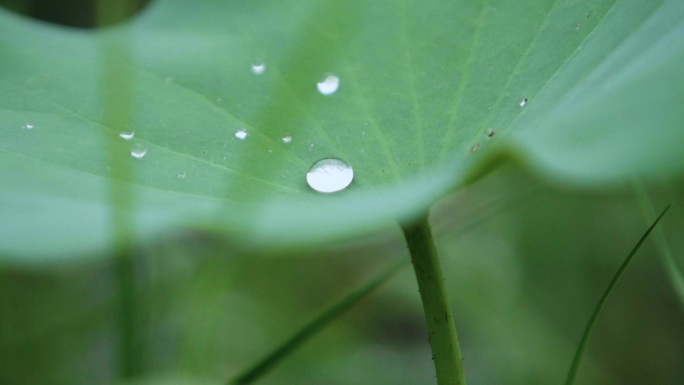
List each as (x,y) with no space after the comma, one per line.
(423,91)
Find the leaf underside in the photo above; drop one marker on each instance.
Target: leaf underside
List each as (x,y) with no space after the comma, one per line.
(422,85)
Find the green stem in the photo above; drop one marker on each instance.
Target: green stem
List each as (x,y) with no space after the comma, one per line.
(446,352)
(129,349)
(117,85)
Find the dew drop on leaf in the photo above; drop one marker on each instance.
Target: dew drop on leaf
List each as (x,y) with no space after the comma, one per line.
(287,139)
(127,135)
(258,67)
(138,151)
(181,175)
(475,147)
(330,175)
(28,126)
(489,133)
(523,103)
(241,134)
(329,85)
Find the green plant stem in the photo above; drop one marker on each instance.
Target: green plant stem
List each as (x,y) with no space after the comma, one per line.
(116,78)
(602,302)
(129,350)
(326,317)
(446,351)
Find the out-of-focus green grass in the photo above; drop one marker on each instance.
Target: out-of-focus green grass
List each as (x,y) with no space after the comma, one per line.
(525,265)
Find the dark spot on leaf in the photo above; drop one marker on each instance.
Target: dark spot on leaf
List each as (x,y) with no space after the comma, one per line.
(72,13)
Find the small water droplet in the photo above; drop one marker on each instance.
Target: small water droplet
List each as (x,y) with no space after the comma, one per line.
(127,135)
(489,133)
(287,139)
(181,175)
(28,126)
(475,147)
(138,150)
(330,175)
(329,85)
(241,134)
(523,103)
(219,100)
(258,67)
(577,27)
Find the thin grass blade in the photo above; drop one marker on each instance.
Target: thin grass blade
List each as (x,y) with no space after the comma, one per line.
(672,269)
(597,312)
(325,318)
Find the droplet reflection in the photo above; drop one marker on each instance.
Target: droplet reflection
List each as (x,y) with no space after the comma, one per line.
(330,175)
(241,134)
(127,135)
(258,67)
(329,85)
(138,151)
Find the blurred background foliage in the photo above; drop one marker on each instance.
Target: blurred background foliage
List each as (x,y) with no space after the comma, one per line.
(525,265)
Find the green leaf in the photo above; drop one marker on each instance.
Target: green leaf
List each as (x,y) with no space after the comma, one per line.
(420,85)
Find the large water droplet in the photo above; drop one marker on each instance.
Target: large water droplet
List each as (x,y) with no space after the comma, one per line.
(28,126)
(329,85)
(523,103)
(138,151)
(127,135)
(329,175)
(241,134)
(258,67)
(287,139)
